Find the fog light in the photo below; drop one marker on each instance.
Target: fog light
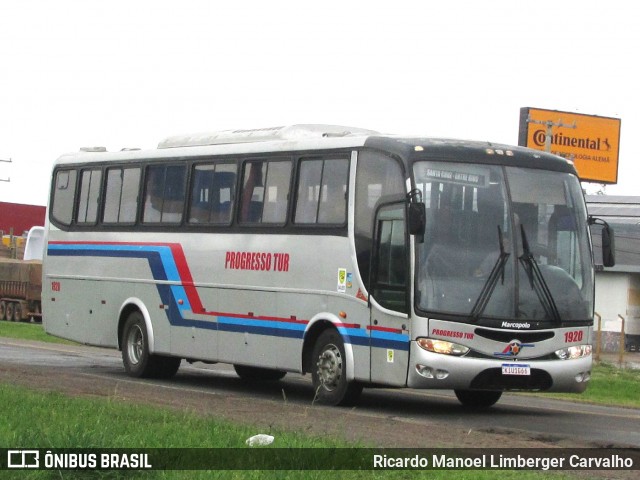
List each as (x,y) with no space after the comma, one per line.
(431,373)
(583,377)
(425,371)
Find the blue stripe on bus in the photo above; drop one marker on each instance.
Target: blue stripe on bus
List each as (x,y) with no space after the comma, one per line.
(163,268)
(381,339)
(160,258)
(375,338)
(261,330)
(159,263)
(249,322)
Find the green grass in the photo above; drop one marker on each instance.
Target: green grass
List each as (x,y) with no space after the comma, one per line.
(609,385)
(53,420)
(29,331)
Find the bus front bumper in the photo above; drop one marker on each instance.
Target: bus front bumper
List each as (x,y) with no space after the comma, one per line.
(434,370)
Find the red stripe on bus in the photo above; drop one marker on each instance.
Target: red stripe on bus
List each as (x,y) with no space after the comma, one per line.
(384,329)
(185,277)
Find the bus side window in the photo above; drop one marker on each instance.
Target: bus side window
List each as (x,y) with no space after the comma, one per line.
(165,192)
(121,197)
(90,182)
(377,175)
(63,196)
(390,260)
(265,191)
(212,193)
(322,190)
(309,181)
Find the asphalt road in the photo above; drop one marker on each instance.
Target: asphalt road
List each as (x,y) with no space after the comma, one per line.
(540,420)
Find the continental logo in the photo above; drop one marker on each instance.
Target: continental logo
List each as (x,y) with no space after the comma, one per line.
(591,142)
(559,139)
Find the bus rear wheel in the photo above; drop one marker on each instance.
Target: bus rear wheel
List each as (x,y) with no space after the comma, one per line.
(329,371)
(138,362)
(478,398)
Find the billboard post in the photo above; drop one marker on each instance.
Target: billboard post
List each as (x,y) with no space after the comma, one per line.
(549,130)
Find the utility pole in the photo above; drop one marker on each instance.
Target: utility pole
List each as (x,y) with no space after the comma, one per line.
(8,179)
(549,129)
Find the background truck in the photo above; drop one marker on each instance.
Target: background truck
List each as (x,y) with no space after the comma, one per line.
(21,281)
(20,289)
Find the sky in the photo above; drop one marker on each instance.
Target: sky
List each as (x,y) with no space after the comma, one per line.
(78,73)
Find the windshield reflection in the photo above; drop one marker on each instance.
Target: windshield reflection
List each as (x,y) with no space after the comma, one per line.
(474,263)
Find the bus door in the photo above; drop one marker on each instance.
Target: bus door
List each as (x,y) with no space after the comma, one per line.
(389,320)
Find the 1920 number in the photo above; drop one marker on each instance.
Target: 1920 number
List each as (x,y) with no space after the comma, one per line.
(575,336)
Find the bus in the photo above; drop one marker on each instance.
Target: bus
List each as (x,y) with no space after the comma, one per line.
(362,259)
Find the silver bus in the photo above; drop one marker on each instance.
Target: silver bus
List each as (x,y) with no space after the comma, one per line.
(360,258)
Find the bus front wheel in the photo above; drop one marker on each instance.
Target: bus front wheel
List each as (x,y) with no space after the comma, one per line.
(329,371)
(478,398)
(138,362)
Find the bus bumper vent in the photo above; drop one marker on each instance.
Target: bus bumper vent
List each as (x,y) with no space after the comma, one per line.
(493,379)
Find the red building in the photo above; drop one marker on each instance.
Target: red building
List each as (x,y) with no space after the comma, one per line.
(20,217)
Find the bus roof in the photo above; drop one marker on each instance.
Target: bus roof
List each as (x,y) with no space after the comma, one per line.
(309,137)
(291,132)
(234,142)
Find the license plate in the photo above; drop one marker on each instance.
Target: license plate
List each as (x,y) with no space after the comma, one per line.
(515,369)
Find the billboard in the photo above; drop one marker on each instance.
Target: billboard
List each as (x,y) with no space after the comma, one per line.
(590,141)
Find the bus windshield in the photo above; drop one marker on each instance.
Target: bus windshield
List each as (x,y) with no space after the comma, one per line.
(503,243)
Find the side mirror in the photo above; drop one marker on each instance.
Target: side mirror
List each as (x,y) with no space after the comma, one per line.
(608,241)
(608,247)
(417,218)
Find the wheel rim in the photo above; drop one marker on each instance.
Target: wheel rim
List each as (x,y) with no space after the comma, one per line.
(330,367)
(135,344)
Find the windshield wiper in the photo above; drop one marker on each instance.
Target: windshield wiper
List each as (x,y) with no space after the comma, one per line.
(538,283)
(489,286)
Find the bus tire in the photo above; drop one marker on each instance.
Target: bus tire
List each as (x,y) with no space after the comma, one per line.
(165,366)
(329,371)
(258,373)
(478,398)
(138,362)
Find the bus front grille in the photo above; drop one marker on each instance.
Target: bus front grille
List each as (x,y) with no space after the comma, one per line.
(493,379)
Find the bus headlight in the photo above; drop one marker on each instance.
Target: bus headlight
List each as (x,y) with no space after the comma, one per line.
(442,346)
(576,351)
